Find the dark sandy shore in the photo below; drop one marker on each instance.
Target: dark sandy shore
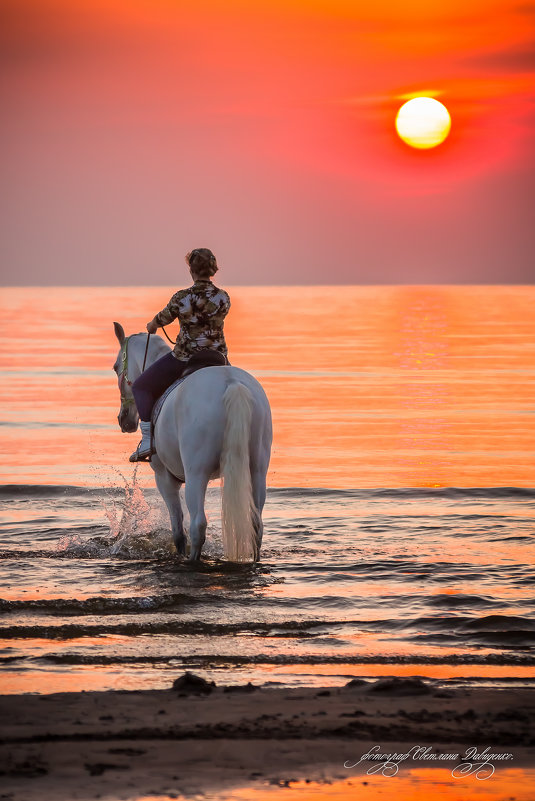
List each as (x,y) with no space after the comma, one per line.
(183,742)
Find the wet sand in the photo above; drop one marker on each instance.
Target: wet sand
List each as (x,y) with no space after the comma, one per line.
(198,739)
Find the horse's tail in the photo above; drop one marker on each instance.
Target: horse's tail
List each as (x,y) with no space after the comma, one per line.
(238,509)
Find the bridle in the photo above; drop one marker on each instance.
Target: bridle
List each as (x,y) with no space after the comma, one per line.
(123,377)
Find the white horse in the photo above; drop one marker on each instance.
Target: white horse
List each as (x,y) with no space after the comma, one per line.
(216,424)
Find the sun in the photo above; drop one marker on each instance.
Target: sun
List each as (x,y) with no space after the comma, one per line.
(423,122)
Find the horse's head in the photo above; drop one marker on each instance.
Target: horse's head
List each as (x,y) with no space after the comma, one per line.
(128,416)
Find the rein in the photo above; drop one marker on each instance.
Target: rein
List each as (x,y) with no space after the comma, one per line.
(125,401)
(172,341)
(145,356)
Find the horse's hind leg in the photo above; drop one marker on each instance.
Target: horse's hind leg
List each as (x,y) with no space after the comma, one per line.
(195,492)
(169,487)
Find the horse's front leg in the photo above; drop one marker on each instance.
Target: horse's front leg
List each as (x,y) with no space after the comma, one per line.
(169,487)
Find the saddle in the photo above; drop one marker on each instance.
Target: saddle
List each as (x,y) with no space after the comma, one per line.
(204,358)
(197,361)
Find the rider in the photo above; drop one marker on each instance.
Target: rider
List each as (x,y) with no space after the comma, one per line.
(201,310)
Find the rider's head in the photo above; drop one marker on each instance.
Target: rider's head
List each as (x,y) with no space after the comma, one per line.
(202,263)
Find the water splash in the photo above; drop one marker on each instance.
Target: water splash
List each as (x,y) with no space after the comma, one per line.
(137,530)
(139,527)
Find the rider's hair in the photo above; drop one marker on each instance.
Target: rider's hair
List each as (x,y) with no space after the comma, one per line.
(202,262)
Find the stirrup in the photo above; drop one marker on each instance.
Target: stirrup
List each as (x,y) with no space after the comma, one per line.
(141,455)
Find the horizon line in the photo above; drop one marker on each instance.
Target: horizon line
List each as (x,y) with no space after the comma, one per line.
(265,286)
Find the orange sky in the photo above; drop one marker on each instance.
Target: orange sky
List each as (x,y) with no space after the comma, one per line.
(134,131)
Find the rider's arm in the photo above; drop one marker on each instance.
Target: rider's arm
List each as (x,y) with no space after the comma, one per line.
(170,312)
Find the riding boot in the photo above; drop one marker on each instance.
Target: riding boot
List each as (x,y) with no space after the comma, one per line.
(144,450)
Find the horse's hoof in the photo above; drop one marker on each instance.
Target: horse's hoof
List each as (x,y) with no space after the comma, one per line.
(180,550)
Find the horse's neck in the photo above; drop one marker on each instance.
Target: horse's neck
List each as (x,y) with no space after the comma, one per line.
(157,349)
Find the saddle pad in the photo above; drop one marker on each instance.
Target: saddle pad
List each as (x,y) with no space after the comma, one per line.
(157,408)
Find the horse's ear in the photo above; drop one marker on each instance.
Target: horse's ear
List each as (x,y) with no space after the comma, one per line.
(119,333)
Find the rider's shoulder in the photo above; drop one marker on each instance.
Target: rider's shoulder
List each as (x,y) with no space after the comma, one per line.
(220,291)
(180,295)
(206,289)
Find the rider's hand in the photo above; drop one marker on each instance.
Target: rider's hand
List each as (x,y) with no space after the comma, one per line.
(152,327)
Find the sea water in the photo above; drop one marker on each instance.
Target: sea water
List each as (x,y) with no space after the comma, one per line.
(399,521)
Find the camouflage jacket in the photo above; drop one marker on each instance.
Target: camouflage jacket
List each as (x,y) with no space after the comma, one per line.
(201,310)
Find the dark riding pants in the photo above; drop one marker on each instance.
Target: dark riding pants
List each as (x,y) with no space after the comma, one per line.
(154,381)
